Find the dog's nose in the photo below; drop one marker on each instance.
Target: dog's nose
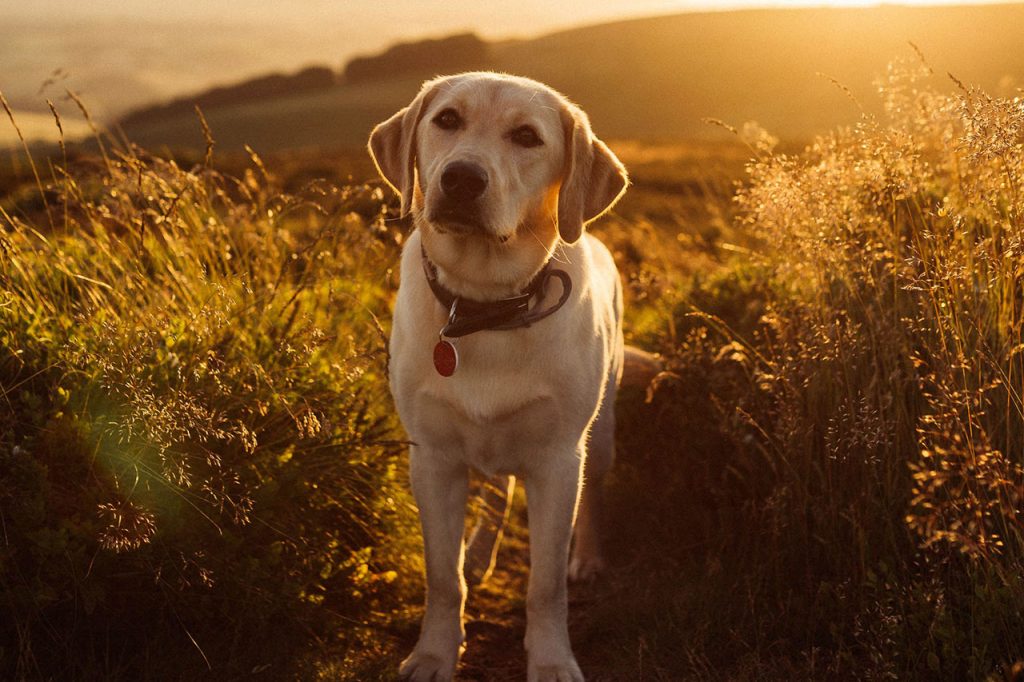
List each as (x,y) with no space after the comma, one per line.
(463,181)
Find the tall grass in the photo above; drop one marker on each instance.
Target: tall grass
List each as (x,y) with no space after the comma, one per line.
(196,446)
(902,241)
(866,366)
(197,458)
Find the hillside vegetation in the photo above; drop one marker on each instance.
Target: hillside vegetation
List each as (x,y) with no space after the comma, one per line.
(200,470)
(274,86)
(654,78)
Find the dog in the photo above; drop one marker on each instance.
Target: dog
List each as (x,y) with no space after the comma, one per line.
(506,346)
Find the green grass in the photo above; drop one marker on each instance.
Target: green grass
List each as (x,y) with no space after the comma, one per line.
(199,457)
(200,467)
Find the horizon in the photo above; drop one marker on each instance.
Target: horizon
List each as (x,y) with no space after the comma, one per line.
(117,71)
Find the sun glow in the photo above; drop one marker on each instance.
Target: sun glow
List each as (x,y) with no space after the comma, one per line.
(724,5)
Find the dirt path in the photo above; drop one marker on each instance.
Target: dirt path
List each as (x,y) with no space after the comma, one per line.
(496,616)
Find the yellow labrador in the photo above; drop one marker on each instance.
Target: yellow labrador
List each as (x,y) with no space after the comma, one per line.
(507,346)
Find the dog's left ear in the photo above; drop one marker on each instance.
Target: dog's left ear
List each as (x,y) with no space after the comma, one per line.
(593,179)
(393,146)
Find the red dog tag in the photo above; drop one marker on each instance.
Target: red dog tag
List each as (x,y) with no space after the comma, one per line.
(446,359)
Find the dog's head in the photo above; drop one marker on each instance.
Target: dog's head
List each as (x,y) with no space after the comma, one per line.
(489,163)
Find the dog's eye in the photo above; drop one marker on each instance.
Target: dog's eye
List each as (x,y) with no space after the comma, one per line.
(448,119)
(526,136)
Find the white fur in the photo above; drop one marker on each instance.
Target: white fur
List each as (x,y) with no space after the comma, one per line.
(529,402)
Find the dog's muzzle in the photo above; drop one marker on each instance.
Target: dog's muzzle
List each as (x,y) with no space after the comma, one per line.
(458,207)
(463,182)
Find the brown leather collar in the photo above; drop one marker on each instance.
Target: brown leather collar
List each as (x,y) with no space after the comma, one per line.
(467,316)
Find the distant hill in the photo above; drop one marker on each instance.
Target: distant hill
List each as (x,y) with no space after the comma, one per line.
(649,79)
(424,58)
(268,87)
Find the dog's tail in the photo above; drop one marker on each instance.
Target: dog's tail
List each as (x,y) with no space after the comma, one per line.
(639,367)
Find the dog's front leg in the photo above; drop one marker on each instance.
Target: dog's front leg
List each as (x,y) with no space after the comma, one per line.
(551,496)
(439,487)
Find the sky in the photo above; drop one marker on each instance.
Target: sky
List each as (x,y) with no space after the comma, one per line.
(399,17)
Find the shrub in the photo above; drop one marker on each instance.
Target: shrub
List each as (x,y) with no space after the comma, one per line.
(197,457)
(875,409)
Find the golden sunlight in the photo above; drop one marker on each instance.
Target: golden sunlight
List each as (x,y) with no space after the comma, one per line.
(733,286)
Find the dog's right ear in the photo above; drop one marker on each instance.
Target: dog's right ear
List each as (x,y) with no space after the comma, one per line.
(393,146)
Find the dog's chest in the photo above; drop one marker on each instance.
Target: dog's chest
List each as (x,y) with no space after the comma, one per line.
(503,443)
(507,404)
(517,395)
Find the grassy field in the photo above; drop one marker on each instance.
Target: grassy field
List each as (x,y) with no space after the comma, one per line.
(201,476)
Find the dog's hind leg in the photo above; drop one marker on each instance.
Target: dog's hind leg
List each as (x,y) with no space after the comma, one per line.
(587,558)
(495,506)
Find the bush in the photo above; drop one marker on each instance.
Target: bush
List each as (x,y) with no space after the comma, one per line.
(874,408)
(197,455)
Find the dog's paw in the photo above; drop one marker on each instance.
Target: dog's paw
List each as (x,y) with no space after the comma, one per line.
(549,656)
(421,666)
(563,672)
(585,566)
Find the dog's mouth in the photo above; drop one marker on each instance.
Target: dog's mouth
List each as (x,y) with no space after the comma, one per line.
(457,221)
(461,222)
